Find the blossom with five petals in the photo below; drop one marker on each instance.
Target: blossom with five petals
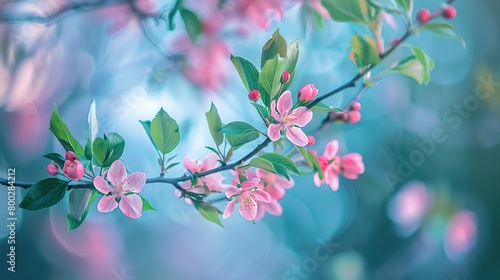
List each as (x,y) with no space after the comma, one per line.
(288,119)
(249,196)
(120,189)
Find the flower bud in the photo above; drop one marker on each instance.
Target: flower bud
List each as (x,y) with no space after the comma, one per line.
(285,77)
(254,95)
(355,106)
(352,165)
(70,155)
(423,15)
(308,92)
(449,12)
(354,116)
(74,169)
(311,140)
(52,169)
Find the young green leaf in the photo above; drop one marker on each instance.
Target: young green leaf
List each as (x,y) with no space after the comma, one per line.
(311,160)
(208,212)
(407,6)
(360,11)
(146,206)
(214,124)
(147,127)
(270,78)
(165,132)
(238,140)
(237,128)
(57,158)
(417,66)
(364,51)
(79,202)
(100,149)
(442,29)
(263,164)
(192,23)
(292,56)
(323,107)
(44,193)
(62,133)
(248,72)
(116,148)
(282,160)
(275,46)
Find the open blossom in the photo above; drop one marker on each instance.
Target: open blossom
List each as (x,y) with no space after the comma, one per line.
(248,196)
(206,184)
(350,165)
(290,120)
(275,186)
(73,168)
(120,189)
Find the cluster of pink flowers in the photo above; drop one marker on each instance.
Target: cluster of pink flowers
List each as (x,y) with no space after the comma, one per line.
(72,168)
(350,165)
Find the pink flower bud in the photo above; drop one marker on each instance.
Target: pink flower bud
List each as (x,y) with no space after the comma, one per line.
(311,140)
(70,155)
(308,92)
(52,169)
(354,116)
(254,95)
(449,12)
(355,106)
(285,77)
(74,169)
(423,15)
(352,165)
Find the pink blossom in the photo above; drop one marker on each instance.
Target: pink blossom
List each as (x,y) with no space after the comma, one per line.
(308,92)
(318,7)
(249,195)
(207,184)
(290,120)
(72,168)
(275,186)
(460,235)
(52,169)
(351,165)
(258,11)
(120,189)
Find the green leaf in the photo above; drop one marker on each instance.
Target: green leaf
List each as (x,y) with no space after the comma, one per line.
(237,128)
(407,5)
(100,149)
(79,204)
(311,160)
(57,158)
(147,127)
(214,124)
(442,29)
(248,72)
(292,56)
(238,140)
(165,132)
(209,212)
(417,66)
(116,148)
(146,206)
(262,110)
(275,46)
(270,78)
(263,164)
(44,193)
(277,159)
(360,11)
(62,133)
(325,108)
(364,51)
(192,23)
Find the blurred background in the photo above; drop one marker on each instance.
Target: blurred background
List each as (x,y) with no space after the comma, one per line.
(425,208)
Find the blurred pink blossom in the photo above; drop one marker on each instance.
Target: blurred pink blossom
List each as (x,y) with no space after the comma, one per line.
(460,235)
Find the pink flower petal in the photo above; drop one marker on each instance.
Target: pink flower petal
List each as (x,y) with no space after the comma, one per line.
(273,208)
(332,179)
(274,114)
(285,103)
(209,162)
(331,149)
(117,173)
(248,206)
(296,136)
(229,209)
(232,191)
(260,212)
(317,181)
(275,192)
(131,205)
(260,195)
(190,165)
(102,185)
(107,204)
(302,116)
(135,182)
(249,184)
(274,131)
